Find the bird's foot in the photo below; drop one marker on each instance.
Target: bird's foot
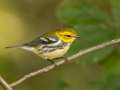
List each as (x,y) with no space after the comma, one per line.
(52,62)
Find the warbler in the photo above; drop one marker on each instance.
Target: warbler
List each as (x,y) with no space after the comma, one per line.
(51,45)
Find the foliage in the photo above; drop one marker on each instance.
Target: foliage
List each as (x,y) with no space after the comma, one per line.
(110,83)
(97,21)
(93,20)
(61,85)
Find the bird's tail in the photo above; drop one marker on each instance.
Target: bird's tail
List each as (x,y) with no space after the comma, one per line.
(14,46)
(21,46)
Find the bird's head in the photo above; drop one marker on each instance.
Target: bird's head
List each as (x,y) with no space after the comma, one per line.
(68,35)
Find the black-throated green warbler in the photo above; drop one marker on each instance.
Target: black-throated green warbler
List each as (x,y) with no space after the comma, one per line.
(51,45)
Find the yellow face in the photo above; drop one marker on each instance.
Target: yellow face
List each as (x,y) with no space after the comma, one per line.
(67,35)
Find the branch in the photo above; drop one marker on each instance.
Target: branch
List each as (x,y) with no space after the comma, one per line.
(4,84)
(50,67)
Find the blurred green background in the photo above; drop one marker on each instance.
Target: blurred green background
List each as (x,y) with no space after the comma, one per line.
(96,21)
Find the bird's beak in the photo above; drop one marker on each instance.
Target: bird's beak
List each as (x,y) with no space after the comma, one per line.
(77,36)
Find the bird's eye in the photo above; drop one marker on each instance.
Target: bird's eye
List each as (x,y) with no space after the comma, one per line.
(68,35)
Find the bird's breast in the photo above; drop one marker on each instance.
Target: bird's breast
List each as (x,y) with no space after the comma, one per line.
(55,53)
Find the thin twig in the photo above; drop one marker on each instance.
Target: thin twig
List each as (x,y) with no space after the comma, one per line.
(50,67)
(4,84)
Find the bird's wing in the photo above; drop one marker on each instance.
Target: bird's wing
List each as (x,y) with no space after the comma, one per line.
(41,41)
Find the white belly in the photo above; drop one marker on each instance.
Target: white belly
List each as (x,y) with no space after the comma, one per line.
(55,54)
(49,55)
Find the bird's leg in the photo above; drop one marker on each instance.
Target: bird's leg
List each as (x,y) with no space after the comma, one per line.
(64,58)
(52,62)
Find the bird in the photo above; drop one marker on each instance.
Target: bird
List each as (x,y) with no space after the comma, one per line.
(51,45)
